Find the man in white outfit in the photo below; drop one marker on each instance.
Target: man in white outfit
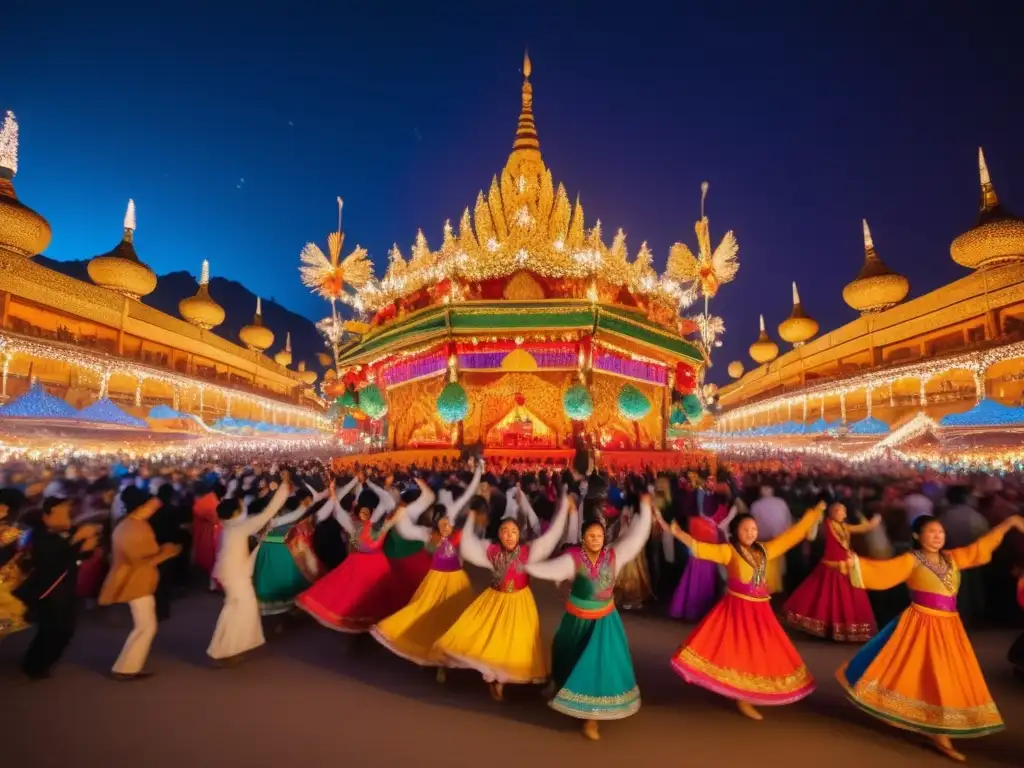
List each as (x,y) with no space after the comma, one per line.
(239,627)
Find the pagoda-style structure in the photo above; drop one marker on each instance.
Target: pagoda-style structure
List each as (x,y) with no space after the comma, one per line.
(524,329)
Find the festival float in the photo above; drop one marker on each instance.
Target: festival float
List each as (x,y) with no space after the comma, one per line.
(936,381)
(524,332)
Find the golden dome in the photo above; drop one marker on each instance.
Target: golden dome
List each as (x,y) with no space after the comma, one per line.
(997,237)
(120,270)
(799,326)
(306,377)
(764,350)
(201,310)
(22,231)
(284,357)
(257,336)
(735,369)
(877,287)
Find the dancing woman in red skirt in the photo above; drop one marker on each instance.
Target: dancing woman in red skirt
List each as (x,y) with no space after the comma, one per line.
(826,604)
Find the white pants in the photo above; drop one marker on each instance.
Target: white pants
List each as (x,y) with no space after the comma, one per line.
(239,626)
(136,647)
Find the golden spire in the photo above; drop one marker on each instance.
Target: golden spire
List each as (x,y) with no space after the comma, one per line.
(526,134)
(989,199)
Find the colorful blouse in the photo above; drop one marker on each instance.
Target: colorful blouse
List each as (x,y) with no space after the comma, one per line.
(932,586)
(367,538)
(746,571)
(446,554)
(593,585)
(508,568)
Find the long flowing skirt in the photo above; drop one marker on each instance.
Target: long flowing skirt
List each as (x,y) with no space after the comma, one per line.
(740,651)
(920,674)
(827,605)
(633,585)
(499,636)
(277,578)
(592,669)
(12,610)
(354,596)
(413,632)
(91,574)
(407,574)
(299,541)
(205,537)
(698,591)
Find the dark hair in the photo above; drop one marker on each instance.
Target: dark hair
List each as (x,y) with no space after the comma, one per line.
(368,499)
(590,521)
(479,504)
(227,508)
(918,526)
(734,528)
(133,497)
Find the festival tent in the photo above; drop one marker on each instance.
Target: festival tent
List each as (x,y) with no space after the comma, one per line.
(37,404)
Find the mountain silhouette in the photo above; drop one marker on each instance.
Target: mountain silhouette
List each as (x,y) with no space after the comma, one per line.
(239,305)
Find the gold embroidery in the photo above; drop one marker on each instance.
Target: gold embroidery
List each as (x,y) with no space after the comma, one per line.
(746,681)
(947,572)
(916,712)
(841,534)
(633,694)
(845,633)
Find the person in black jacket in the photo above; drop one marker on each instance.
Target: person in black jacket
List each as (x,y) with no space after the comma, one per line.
(49,591)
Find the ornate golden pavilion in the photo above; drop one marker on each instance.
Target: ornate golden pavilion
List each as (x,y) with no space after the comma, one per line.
(521,317)
(941,353)
(85,341)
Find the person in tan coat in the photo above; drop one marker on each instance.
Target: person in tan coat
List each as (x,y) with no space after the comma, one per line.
(133,579)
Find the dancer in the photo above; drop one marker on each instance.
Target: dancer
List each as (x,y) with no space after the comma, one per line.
(592,670)
(277,577)
(133,579)
(920,673)
(206,529)
(633,579)
(826,604)
(239,629)
(12,610)
(499,634)
(357,594)
(445,593)
(739,650)
(700,586)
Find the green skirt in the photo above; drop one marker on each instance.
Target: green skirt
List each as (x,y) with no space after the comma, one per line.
(592,668)
(276,577)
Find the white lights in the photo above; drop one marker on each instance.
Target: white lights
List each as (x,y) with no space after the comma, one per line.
(9,143)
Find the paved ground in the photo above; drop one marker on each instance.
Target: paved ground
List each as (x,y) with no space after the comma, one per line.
(315,698)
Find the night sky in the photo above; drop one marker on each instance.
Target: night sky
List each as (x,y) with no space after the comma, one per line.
(235,132)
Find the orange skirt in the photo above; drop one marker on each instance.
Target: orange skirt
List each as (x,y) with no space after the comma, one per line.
(740,651)
(920,674)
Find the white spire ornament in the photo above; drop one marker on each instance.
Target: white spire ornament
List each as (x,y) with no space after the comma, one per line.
(869,244)
(204,275)
(129,216)
(9,144)
(259,307)
(288,342)
(796,294)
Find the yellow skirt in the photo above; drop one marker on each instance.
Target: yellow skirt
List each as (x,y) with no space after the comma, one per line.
(920,674)
(413,631)
(12,610)
(499,636)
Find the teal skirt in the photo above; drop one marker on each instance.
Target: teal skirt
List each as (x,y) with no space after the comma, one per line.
(592,668)
(276,577)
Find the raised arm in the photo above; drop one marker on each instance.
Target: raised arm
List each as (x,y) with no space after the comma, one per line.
(344,519)
(980,552)
(793,535)
(405,518)
(629,545)
(524,504)
(879,574)
(716,553)
(289,517)
(544,545)
(866,526)
(252,524)
(385,502)
(426,499)
(317,495)
(557,569)
(453,507)
(472,549)
(572,528)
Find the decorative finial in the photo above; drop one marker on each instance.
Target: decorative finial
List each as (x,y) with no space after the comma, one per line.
(796,295)
(288,336)
(259,307)
(703,196)
(340,203)
(204,275)
(869,244)
(526,133)
(527,67)
(989,200)
(762,324)
(129,216)
(9,144)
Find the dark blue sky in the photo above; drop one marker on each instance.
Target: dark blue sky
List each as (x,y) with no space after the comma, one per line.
(804,117)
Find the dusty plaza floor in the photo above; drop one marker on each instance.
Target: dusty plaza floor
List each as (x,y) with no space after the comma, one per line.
(315,698)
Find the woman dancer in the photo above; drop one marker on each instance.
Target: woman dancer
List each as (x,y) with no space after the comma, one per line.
(826,604)
(445,593)
(739,650)
(633,579)
(357,594)
(592,670)
(920,673)
(499,634)
(700,586)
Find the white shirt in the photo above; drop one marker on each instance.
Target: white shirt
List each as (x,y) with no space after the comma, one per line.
(234,561)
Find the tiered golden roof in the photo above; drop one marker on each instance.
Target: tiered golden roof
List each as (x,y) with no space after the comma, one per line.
(257,336)
(764,350)
(524,222)
(120,269)
(998,236)
(799,326)
(22,231)
(284,357)
(201,310)
(876,287)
